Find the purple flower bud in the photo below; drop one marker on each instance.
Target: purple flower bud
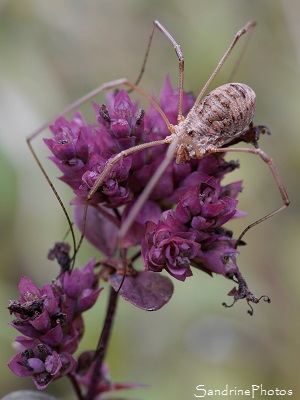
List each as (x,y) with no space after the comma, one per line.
(120,128)
(53,363)
(113,191)
(168,250)
(71,140)
(123,105)
(35,365)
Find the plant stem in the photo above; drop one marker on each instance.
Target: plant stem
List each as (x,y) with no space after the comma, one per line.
(76,387)
(103,343)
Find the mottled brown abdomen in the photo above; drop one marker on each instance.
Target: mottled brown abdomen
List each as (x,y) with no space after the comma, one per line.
(222,114)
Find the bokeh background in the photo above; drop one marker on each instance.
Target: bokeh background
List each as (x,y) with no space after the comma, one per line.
(54,51)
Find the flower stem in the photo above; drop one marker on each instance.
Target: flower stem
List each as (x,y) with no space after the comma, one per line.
(76,387)
(103,343)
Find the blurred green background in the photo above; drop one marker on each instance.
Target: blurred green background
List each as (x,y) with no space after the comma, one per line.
(54,51)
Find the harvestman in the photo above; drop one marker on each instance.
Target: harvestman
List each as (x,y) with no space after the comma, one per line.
(212,125)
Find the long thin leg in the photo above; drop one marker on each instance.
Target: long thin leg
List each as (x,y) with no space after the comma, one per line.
(249,25)
(146,56)
(147,190)
(102,88)
(240,57)
(76,104)
(159,26)
(55,193)
(276,176)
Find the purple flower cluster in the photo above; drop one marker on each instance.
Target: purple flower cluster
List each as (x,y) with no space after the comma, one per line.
(192,233)
(51,321)
(172,239)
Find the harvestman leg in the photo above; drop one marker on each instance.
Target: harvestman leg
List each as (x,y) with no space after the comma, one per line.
(241,55)
(242,31)
(159,26)
(257,151)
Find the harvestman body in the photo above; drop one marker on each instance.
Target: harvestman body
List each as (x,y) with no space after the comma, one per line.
(222,114)
(220,119)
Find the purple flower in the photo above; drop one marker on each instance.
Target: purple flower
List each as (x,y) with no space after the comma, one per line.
(40,362)
(191,234)
(168,250)
(82,287)
(51,321)
(114,191)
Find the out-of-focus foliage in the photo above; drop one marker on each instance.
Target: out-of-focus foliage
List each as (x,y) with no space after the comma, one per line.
(52,53)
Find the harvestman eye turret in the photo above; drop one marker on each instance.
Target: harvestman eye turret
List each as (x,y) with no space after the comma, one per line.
(222,118)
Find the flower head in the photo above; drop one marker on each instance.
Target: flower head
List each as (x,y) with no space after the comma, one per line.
(181,224)
(51,321)
(82,150)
